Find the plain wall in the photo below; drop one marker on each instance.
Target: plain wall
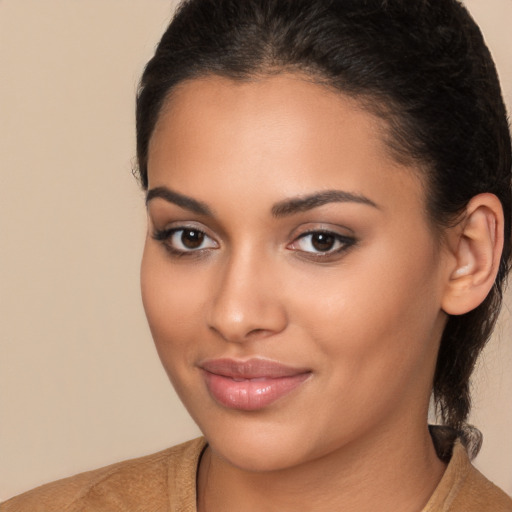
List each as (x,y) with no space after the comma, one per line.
(80,382)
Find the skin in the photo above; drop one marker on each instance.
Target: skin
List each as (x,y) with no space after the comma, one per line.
(365,321)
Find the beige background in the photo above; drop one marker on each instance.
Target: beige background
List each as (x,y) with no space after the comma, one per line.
(80,382)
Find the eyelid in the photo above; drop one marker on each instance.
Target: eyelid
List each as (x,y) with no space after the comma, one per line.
(165,235)
(344,241)
(175,225)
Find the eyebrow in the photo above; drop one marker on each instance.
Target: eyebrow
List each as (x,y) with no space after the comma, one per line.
(178,199)
(303,204)
(280,209)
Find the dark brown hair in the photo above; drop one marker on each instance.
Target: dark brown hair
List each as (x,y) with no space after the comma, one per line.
(421,64)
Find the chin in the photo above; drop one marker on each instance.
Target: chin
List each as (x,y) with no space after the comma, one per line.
(257,456)
(258,444)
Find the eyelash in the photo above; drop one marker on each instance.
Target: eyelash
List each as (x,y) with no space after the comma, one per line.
(165,237)
(344,243)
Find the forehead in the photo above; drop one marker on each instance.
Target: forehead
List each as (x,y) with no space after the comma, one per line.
(290,102)
(284,132)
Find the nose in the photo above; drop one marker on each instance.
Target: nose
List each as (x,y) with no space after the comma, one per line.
(245,303)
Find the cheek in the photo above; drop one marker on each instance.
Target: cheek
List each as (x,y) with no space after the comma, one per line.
(378,311)
(172,305)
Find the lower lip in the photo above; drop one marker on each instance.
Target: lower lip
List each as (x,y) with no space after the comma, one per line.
(251,394)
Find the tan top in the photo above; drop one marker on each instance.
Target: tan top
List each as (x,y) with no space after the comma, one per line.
(166,481)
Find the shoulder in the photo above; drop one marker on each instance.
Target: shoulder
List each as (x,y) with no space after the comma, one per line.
(478,494)
(464,489)
(145,483)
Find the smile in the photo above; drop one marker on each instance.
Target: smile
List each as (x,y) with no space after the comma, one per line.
(250,385)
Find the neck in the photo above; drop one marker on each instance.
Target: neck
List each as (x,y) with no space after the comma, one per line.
(388,471)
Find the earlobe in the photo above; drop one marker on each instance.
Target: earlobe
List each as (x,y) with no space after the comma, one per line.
(477,251)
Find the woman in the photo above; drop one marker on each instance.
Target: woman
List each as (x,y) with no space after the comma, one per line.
(329,207)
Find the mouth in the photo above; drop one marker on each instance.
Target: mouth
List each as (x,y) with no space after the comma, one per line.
(250,385)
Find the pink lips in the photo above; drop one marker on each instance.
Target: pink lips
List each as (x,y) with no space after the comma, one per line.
(250,385)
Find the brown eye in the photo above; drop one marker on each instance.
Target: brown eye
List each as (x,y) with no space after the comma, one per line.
(323,241)
(184,240)
(192,238)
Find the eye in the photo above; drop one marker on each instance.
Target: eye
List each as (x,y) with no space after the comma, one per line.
(322,242)
(184,240)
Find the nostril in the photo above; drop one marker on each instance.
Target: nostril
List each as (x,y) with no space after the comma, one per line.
(256,333)
(233,334)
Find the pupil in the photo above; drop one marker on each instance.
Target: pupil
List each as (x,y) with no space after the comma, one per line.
(323,241)
(192,239)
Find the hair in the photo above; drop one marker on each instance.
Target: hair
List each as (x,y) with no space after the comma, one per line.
(422,65)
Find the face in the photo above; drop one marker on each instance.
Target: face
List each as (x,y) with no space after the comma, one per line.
(290,276)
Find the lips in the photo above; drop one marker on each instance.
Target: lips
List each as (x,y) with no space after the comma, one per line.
(250,385)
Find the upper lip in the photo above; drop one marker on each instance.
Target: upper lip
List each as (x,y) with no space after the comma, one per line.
(251,369)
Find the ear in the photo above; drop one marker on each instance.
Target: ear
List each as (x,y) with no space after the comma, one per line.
(476,244)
